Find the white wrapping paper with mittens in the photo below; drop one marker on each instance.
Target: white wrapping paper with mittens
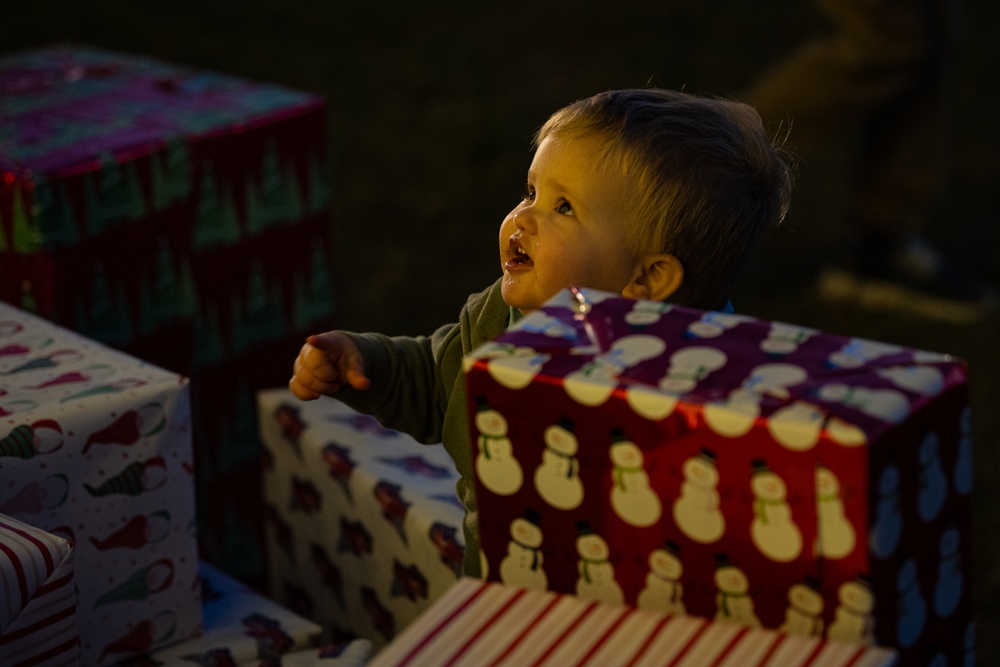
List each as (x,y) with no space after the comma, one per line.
(95,447)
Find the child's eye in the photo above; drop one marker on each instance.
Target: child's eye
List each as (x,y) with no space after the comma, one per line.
(529,192)
(565,208)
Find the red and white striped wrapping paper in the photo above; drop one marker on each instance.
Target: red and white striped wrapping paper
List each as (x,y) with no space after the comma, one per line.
(478,623)
(37,600)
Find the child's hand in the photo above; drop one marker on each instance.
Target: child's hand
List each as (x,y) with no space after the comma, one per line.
(326,364)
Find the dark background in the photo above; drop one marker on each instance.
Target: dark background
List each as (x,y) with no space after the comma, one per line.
(432,106)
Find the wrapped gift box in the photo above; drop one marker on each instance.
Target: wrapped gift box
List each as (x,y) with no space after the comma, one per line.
(38,609)
(352,653)
(480,623)
(181,216)
(364,525)
(95,446)
(728,467)
(242,628)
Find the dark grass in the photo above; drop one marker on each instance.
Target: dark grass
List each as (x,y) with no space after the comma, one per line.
(431,109)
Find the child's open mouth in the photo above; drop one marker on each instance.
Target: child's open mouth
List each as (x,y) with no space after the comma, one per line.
(519,259)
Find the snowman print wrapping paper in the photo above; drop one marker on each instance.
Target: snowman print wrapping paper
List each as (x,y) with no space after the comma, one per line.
(729,467)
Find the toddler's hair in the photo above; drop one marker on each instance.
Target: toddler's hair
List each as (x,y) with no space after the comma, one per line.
(703,177)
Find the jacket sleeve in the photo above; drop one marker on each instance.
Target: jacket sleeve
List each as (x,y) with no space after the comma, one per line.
(406,391)
(413,378)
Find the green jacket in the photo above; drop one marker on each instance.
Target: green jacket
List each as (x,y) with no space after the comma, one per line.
(417,386)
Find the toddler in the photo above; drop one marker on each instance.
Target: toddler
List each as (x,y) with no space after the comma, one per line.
(647,193)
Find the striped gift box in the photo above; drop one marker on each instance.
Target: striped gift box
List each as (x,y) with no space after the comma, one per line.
(37,600)
(478,623)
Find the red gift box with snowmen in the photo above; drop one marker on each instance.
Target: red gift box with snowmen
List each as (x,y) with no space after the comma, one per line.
(727,467)
(95,447)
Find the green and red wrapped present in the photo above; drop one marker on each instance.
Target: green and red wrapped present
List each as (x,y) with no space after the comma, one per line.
(182,216)
(727,467)
(135,195)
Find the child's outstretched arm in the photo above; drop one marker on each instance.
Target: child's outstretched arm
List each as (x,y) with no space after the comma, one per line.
(326,364)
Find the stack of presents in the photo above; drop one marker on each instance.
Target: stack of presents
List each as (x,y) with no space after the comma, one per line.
(151,217)
(657,485)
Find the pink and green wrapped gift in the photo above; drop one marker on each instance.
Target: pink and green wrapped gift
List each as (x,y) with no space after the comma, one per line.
(181,215)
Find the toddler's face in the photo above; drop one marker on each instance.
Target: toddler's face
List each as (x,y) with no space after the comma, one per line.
(569,229)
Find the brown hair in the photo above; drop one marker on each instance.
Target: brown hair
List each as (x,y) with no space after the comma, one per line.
(704,179)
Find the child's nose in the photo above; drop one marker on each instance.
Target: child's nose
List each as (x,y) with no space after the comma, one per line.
(524,220)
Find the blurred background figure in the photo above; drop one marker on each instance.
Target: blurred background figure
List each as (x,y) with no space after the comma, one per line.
(886,69)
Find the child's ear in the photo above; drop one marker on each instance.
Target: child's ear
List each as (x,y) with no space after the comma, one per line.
(659,276)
